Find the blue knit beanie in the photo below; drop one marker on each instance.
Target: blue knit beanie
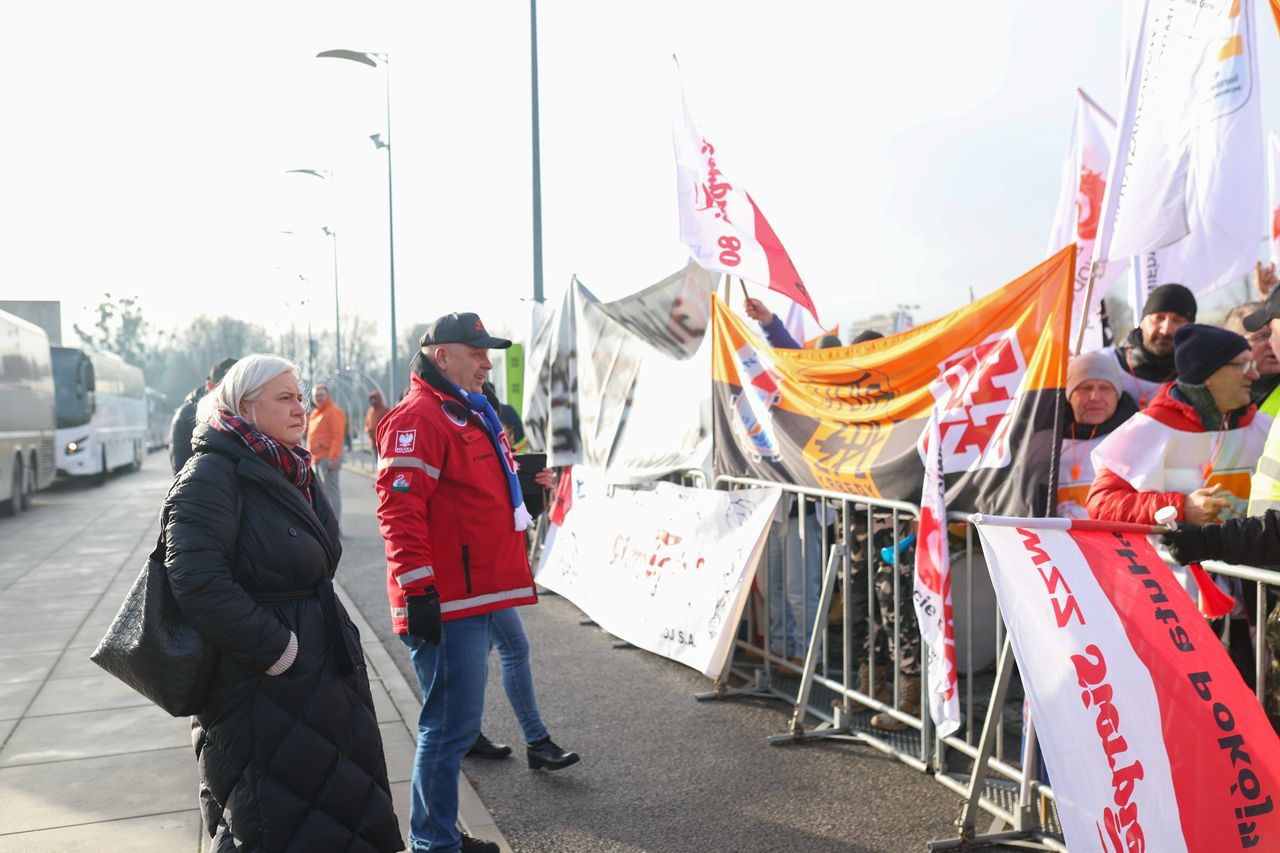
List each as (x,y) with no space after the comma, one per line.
(1198,351)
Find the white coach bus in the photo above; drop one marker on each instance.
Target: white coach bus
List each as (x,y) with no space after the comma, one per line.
(26,413)
(102,412)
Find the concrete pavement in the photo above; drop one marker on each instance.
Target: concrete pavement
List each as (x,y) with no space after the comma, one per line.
(86,763)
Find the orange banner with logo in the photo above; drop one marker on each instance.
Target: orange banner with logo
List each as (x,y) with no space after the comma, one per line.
(849,419)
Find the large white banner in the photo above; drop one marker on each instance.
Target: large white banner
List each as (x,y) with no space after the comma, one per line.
(1151,739)
(667,569)
(1187,179)
(1084,182)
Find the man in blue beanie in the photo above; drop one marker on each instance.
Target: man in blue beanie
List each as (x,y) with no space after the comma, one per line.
(1194,446)
(1146,354)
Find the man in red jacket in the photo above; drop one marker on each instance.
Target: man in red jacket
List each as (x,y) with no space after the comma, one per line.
(1194,446)
(453,518)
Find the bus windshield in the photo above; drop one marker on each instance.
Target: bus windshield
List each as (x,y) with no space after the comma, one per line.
(73,384)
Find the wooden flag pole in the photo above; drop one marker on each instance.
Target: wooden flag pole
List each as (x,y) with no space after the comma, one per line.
(726,289)
(1088,295)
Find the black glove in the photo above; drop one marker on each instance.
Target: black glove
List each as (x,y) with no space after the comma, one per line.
(1186,544)
(424,615)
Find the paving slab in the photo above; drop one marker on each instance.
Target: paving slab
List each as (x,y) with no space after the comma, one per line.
(167,833)
(75,662)
(15,669)
(14,698)
(100,692)
(69,793)
(54,640)
(70,736)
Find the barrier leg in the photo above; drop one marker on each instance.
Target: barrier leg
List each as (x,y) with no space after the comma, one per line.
(991,732)
(834,561)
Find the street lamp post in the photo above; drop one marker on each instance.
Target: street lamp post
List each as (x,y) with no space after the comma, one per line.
(373,60)
(537,168)
(330,231)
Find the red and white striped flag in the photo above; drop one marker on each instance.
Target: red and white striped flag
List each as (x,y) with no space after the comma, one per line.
(720,223)
(1151,738)
(932,594)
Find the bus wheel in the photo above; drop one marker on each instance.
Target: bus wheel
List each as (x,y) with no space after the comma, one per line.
(13,506)
(100,478)
(137,456)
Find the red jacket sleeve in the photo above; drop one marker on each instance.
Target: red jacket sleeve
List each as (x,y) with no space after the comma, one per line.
(1112,498)
(411,459)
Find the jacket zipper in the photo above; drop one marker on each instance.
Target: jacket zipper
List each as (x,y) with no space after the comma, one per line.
(466,566)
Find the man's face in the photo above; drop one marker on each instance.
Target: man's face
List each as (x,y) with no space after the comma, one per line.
(1094,401)
(1231,383)
(1157,331)
(319,396)
(464,365)
(1261,351)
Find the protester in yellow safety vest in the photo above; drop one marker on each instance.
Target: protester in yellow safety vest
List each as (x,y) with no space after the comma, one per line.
(1145,356)
(1194,447)
(1098,405)
(1264,393)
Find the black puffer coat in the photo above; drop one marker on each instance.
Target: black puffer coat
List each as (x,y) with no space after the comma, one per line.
(291,762)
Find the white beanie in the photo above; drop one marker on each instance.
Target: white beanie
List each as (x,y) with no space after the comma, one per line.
(1094,365)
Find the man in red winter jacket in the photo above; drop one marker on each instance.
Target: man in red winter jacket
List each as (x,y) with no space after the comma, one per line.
(453,517)
(1194,446)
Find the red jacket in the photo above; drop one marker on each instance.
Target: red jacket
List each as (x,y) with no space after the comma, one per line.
(445,510)
(1113,498)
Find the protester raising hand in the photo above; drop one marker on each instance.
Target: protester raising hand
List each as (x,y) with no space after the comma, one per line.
(757,311)
(1202,507)
(1264,279)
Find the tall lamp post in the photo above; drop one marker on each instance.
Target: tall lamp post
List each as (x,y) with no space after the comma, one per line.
(330,231)
(374,60)
(537,167)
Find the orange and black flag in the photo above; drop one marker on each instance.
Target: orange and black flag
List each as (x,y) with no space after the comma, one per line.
(851,419)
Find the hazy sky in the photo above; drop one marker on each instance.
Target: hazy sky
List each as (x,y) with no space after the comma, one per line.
(902,152)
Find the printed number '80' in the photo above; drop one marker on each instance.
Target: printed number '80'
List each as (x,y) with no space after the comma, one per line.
(730,257)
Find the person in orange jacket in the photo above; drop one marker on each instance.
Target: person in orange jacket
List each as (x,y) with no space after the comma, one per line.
(373,416)
(326,430)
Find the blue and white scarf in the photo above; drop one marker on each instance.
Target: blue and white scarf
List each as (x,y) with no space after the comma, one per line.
(483,409)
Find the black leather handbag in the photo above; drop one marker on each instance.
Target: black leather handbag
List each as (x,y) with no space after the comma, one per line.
(153,648)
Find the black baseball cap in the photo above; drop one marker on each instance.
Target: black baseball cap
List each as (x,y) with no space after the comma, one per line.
(461,329)
(1270,310)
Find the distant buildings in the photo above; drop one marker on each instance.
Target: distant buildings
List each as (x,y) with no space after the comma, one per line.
(900,319)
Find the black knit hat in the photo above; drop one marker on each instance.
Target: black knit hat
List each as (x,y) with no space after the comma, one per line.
(1198,351)
(1173,298)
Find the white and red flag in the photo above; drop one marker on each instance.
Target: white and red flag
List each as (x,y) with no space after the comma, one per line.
(1273,188)
(1084,182)
(1151,738)
(932,593)
(1186,184)
(719,221)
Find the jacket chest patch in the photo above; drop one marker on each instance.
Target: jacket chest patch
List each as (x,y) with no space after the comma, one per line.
(470,435)
(455,413)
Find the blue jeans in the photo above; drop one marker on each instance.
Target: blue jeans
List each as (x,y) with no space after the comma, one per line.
(795,584)
(452,677)
(517,674)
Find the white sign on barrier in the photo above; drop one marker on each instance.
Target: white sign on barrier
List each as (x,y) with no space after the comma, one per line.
(667,569)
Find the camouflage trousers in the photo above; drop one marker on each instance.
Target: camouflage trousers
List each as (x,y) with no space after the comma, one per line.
(901,634)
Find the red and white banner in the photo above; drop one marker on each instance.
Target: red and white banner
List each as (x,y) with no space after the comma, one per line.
(1273,189)
(1186,186)
(932,593)
(1084,183)
(667,569)
(720,223)
(1151,738)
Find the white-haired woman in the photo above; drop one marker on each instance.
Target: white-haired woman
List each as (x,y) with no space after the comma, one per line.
(287,743)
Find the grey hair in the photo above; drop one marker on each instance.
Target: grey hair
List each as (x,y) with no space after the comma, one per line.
(243,383)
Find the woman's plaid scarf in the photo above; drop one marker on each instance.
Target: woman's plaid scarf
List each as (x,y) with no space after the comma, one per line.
(294,464)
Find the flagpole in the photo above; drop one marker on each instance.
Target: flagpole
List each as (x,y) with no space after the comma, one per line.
(1091,525)
(1088,297)
(726,289)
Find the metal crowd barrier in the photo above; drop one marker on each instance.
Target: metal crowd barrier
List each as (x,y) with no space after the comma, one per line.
(983,762)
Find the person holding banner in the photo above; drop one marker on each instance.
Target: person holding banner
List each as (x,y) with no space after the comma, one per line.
(1194,447)
(453,517)
(1098,406)
(1146,355)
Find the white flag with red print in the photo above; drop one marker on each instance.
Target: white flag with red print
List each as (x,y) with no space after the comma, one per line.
(932,594)
(1188,176)
(1151,738)
(720,223)
(1273,194)
(1084,183)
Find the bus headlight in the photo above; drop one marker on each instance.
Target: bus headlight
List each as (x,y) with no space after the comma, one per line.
(74,447)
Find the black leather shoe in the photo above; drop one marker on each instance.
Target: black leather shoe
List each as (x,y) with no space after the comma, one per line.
(475,845)
(545,755)
(485,748)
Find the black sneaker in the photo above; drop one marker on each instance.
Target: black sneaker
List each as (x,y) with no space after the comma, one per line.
(475,845)
(544,754)
(485,748)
